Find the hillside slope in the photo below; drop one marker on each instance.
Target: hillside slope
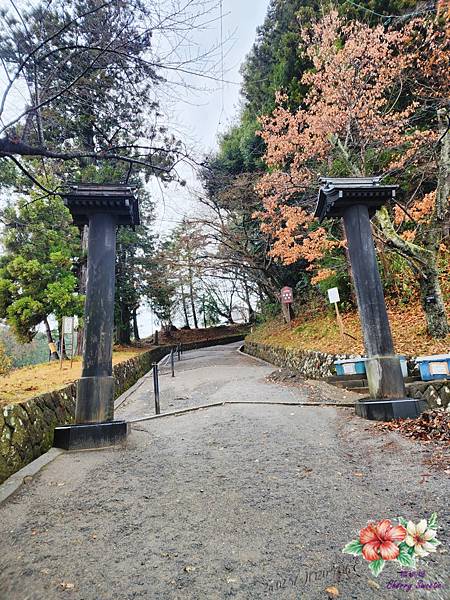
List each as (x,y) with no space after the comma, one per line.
(320,331)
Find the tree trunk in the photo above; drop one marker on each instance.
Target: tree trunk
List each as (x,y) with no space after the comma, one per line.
(185,311)
(191,295)
(423,261)
(51,343)
(433,301)
(430,288)
(251,312)
(135,326)
(123,327)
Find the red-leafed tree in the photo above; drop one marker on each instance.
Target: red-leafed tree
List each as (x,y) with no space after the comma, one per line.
(376,103)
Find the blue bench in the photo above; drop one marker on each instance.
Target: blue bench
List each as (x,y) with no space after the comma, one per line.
(357,365)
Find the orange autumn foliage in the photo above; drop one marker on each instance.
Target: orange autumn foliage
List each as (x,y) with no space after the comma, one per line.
(419,211)
(350,113)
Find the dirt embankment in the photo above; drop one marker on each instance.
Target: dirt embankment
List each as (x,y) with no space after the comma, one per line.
(319,331)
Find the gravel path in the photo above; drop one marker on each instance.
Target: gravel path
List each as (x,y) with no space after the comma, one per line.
(209,375)
(240,501)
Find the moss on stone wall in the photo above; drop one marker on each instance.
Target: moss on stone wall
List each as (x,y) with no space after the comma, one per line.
(26,428)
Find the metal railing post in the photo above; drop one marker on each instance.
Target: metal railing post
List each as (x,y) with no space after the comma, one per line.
(172,361)
(156,388)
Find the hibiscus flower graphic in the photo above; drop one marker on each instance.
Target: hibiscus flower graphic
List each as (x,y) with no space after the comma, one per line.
(378,540)
(402,542)
(420,537)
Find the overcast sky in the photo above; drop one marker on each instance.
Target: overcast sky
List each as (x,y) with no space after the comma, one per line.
(199,116)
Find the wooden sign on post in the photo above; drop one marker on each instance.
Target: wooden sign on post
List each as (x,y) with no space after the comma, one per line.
(334,298)
(287,297)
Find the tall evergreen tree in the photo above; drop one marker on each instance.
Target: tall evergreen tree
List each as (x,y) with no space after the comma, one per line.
(37,267)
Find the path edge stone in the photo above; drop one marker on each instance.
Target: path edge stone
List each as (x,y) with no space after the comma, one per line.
(15,481)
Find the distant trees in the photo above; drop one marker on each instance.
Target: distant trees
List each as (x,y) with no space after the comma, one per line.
(134,248)
(5,360)
(340,89)
(82,103)
(90,70)
(190,280)
(20,355)
(276,62)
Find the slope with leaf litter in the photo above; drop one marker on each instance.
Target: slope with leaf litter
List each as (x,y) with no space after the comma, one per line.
(319,331)
(431,428)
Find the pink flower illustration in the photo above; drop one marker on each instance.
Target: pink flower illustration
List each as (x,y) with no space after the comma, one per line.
(378,540)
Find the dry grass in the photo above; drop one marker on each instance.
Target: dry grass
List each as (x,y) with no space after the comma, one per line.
(322,333)
(187,336)
(27,382)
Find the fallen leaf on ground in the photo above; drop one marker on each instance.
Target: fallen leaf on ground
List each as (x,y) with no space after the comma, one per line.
(332,591)
(189,569)
(433,425)
(373,584)
(67,585)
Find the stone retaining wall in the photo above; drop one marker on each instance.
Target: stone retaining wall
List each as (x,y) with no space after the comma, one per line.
(317,365)
(435,393)
(26,428)
(313,365)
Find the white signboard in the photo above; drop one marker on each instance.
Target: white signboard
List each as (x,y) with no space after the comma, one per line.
(69,323)
(333,295)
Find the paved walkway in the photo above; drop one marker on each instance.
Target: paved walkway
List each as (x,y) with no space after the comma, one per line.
(209,375)
(239,501)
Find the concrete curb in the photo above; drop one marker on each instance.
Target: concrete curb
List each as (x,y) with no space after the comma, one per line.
(182,411)
(13,483)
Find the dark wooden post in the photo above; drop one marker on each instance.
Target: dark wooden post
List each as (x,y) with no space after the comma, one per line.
(355,200)
(383,367)
(95,393)
(103,208)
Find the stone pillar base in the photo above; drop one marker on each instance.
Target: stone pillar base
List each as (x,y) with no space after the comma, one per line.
(385,378)
(95,400)
(387,410)
(84,437)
